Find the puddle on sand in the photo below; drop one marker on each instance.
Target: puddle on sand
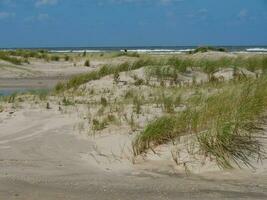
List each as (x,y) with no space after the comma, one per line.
(10,91)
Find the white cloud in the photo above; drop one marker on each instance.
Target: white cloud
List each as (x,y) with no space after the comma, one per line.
(45,2)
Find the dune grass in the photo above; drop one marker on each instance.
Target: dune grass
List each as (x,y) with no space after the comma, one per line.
(28,53)
(87,63)
(78,80)
(171,67)
(22,56)
(14,60)
(226,124)
(128,54)
(204,49)
(163,68)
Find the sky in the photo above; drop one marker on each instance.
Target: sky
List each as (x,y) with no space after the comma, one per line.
(91,23)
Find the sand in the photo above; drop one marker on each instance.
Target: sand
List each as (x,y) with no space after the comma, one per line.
(45,154)
(40,74)
(42,157)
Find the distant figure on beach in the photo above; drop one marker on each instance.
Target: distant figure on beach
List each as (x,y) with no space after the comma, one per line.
(125,50)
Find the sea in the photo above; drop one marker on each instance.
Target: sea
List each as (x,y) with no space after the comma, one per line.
(145,49)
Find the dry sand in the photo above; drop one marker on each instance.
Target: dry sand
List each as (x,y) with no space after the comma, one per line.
(38,74)
(42,157)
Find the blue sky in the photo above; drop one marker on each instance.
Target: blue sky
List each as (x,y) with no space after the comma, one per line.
(44,23)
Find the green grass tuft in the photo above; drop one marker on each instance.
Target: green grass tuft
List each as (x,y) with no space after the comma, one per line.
(226,124)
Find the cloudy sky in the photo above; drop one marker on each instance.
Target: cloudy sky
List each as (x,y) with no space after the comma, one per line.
(44,23)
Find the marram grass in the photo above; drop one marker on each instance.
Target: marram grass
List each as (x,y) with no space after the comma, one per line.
(226,124)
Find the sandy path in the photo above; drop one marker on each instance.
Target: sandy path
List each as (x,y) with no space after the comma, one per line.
(41,158)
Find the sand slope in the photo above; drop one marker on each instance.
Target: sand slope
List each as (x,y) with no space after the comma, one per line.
(43,157)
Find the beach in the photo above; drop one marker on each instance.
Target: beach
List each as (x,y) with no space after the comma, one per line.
(89,136)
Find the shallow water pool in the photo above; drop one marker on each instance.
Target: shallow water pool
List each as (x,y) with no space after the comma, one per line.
(10,91)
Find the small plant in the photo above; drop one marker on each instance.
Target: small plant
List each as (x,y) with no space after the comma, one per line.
(48,106)
(168,104)
(84,54)
(116,77)
(180,65)
(98,125)
(1,108)
(67,102)
(129,94)
(137,105)
(12,98)
(55,58)
(139,82)
(67,57)
(60,86)
(87,63)
(42,94)
(103,101)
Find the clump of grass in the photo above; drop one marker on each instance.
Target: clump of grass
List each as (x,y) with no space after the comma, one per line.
(129,54)
(98,125)
(87,63)
(129,94)
(226,124)
(59,87)
(1,108)
(12,98)
(103,101)
(161,72)
(179,64)
(204,49)
(137,104)
(41,54)
(116,77)
(55,58)
(158,132)
(67,102)
(67,57)
(138,81)
(42,93)
(11,59)
(84,53)
(111,118)
(170,103)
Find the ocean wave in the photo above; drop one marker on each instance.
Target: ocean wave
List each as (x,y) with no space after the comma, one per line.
(164,51)
(257,49)
(76,51)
